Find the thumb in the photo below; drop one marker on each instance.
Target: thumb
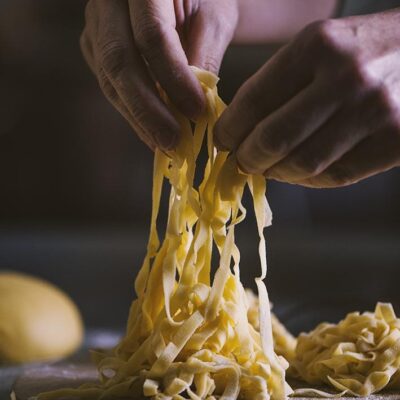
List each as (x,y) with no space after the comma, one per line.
(210,33)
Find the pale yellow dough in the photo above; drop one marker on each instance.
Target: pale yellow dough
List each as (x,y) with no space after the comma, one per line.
(359,355)
(284,341)
(188,336)
(194,335)
(37,320)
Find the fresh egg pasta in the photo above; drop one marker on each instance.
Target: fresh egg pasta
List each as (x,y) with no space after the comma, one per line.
(360,355)
(194,336)
(188,334)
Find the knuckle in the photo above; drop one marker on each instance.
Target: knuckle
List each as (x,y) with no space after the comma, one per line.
(245,163)
(138,112)
(382,109)
(309,165)
(272,142)
(149,37)
(340,175)
(212,63)
(113,56)
(322,36)
(356,75)
(106,86)
(137,108)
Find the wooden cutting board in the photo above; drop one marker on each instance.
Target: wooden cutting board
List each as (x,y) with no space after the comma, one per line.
(39,379)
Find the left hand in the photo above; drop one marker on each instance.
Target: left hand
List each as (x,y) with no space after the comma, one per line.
(132,46)
(325,110)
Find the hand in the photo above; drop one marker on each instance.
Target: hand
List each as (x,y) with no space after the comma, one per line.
(325,110)
(133,45)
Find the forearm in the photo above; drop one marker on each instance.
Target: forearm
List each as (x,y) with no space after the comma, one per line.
(276,21)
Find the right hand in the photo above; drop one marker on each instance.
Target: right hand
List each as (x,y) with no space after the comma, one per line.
(133,45)
(324,111)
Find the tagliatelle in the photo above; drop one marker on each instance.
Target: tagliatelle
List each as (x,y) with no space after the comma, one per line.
(284,341)
(360,355)
(188,336)
(193,337)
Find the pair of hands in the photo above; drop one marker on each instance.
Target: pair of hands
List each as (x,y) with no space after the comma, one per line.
(131,44)
(324,111)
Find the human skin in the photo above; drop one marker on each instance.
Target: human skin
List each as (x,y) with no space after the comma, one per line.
(132,44)
(324,111)
(277,21)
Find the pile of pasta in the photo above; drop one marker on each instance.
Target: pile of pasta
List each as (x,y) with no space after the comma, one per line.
(191,335)
(360,355)
(188,335)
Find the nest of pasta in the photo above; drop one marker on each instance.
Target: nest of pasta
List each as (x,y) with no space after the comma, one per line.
(360,355)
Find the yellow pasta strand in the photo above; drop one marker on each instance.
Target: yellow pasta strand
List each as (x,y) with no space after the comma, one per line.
(360,355)
(188,336)
(193,336)
(284,342)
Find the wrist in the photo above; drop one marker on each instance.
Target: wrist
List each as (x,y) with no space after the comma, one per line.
(273,21)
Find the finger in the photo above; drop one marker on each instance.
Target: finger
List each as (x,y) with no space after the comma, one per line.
(377,153)
(281,78)
(113,97)
(89,34)
(209,36)
(153,23)
(285,129)
(125,69)
(87,50)
(349,126)
(91,17)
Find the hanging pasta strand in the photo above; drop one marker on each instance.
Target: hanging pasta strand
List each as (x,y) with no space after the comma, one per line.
(188,334)
(194,336)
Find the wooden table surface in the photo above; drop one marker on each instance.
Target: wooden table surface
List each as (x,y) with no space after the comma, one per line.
(38,379)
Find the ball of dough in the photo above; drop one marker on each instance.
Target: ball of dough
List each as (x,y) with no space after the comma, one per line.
(37,320)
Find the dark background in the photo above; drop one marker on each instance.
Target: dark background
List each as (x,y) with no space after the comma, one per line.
(76,184)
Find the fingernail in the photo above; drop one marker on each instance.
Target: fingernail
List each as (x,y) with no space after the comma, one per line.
(166,141)
(217,142)
(194,112)
(194,106)
(219,145)
(242,169)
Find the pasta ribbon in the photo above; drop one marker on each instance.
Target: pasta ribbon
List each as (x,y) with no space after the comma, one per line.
(191,335)
(284,342)
(360,355)
(188,334)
